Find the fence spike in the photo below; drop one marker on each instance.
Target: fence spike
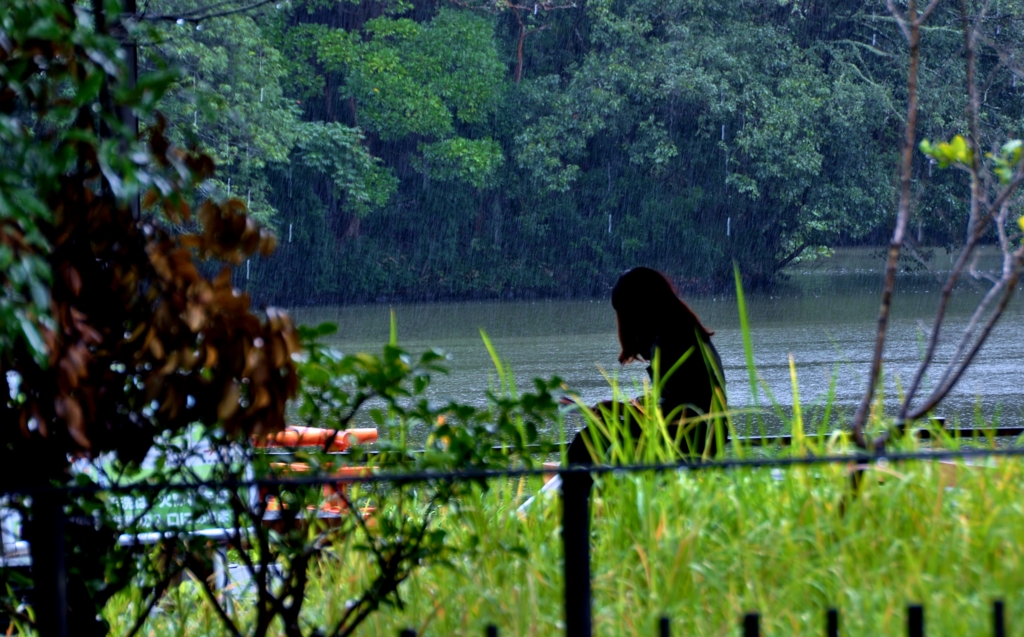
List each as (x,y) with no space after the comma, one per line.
(751,625)
(832,623)
(998,619)
(663,627)
(915,620)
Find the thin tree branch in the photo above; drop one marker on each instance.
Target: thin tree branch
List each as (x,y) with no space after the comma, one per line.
(902,218)
(1011,189)
(792,255)
(192,17)
(981,274)
(346,420)
(911,247)
(1000,204)
(1002,201)
(901,21)
(390,570)
(1009,272)
(216,6)
(158,592)
(1004,238)
(221,613)
(927,12)
(257,575)
(944,388)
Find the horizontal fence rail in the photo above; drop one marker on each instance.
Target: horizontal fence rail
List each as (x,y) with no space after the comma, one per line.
(861,458)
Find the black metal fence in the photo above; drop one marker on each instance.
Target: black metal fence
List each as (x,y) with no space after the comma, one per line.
(750,625)
(50,573)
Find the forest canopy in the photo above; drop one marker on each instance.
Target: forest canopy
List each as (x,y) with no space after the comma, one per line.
(471,148)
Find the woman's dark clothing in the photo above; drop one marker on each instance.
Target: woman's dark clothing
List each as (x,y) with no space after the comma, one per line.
(691,384)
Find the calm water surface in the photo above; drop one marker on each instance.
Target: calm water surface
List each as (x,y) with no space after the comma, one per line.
(823,316)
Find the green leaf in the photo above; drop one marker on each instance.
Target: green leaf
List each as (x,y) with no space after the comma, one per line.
(325,329)
(31,334)
(1011,151)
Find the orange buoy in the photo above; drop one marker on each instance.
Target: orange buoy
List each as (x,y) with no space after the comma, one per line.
(296,436)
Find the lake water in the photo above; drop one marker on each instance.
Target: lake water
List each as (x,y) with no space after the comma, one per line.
(824,315)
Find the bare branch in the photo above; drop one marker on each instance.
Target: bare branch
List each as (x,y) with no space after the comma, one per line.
(977,222)
(329,440)
(1011,270)
(927,12)
(1004,239)
(945,387)
(978,274)
(193,16)
(158,592)
(902,219)
(792,255)
(863,45)
(230,625)
(972,241)
(901,21)
(972,325)
(194,11)
(1011,189)
(911,247)
(1006,59)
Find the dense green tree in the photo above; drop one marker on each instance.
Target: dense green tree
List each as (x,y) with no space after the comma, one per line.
(479,148)
(228,100)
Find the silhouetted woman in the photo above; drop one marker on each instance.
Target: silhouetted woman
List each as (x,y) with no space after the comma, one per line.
(652,318)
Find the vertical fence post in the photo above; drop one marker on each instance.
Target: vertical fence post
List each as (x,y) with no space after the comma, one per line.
(491,630)
(751,625)
(407,632)
(49,569)
(998,619)
(832,623)
(576,547)
(663,627)
(915,620)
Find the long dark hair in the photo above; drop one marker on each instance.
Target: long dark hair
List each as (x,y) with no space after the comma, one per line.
(646,305)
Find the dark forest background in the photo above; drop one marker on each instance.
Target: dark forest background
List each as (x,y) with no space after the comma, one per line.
(486,149)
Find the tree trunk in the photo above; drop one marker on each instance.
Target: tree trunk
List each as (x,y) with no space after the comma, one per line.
(478,225)
(496,214)
(352,231)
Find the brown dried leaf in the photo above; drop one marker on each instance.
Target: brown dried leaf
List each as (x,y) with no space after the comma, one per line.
(268,242)
(277,351)
(211,356)
(156,347)
(191,241)
(68,409)
(73,280)
(151,198)
(194,316)
(228,405)
(261,398)
(223,279)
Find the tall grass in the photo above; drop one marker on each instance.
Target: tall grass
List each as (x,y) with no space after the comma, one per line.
(703,547)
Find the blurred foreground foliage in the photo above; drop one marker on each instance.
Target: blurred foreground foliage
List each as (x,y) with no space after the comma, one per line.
(256,576)
(111,333)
